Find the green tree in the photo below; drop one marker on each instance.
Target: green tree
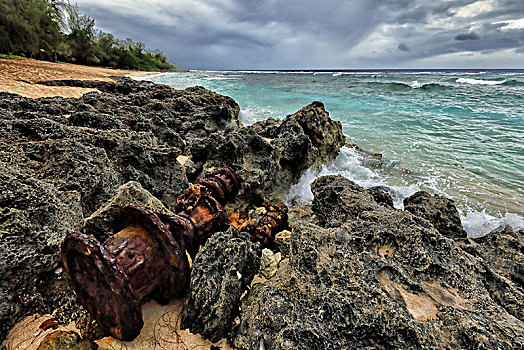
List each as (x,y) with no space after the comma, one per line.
(56,29)
(80,34)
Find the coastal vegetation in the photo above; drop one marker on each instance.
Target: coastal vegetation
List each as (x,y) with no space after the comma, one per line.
(56,30)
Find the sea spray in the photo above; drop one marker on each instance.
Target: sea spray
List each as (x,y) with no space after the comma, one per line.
(350,164)
(454,133)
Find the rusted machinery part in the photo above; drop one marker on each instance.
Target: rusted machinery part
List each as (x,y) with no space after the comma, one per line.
(101,286)
(223,183)
(183,230)
(163,263)
(145,256)
(204,211)
(274,220)
(110,280)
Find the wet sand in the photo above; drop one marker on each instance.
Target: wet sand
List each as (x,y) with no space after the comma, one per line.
(19,76)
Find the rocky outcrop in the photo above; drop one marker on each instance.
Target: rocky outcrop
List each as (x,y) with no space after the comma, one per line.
(305,138)
(502,255)
(62,158)
(273,155)
(361,275)
(381,195)
(439,211)
(221,272)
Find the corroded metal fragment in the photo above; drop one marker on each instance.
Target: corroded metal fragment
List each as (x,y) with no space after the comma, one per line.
(223,183)
(102,286)
(205,213)
(146,255)
(273,220)
(110,280)
(147,251)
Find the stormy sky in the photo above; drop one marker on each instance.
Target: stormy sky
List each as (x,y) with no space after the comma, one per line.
(302,34)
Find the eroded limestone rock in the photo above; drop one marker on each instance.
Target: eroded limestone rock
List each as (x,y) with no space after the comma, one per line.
(361,275)
(222,270)
(439,211)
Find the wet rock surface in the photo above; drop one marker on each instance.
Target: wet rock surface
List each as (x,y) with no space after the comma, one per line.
(439,211)
(221,272)
(371,277)
(381,195)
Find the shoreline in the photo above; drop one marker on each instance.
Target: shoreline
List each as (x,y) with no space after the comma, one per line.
(19,75)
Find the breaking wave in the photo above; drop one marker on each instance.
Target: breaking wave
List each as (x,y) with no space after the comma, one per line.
(350,164)
(395,85)
(480,81)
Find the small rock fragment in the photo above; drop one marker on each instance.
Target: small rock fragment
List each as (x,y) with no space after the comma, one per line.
(282,242)
(278,258)
(268,264)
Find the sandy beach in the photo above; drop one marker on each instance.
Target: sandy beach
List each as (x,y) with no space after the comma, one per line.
(19,76)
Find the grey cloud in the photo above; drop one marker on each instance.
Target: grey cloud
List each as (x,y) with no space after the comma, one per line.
(467,36)
(253,34)
(403,47)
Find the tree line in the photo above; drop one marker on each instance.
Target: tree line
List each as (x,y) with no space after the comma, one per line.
(55,30)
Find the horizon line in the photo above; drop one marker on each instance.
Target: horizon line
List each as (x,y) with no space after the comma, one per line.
(357,69)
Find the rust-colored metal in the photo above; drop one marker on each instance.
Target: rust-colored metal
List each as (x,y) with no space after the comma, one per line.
(272,221)
(200,210)
(110,280)
(223,183)
(146,255)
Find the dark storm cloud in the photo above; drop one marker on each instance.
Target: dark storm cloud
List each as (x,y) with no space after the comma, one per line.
(403,47)
(467,36)
(251,34)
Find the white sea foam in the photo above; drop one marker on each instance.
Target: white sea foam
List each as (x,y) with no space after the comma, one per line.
(148,76)
(247,116)
(336,74)
(350,164)
(478,224)
(480,82)
(251,115)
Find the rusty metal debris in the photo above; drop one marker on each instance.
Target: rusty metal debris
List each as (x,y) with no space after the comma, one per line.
(146,255)
(272,220)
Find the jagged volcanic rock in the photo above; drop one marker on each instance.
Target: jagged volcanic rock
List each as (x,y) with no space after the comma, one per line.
(439,211)
(273,155)
(367,276)
(222,270)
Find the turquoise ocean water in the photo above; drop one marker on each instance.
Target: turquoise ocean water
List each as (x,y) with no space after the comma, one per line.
(455,133)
